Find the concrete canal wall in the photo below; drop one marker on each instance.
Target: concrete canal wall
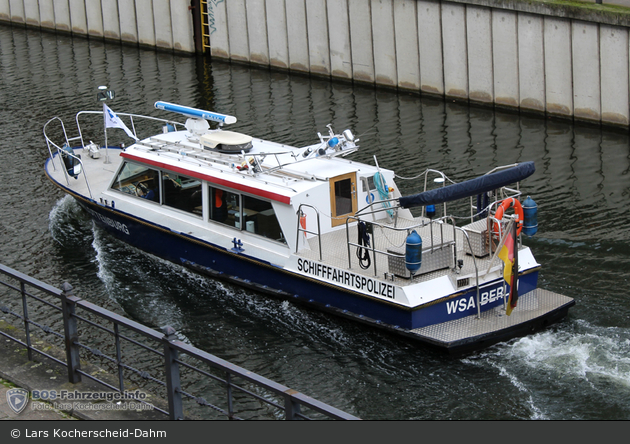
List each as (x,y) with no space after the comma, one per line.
(568,59)
(164,24)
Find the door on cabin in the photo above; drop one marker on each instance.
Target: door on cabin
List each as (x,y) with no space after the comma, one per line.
(343,197)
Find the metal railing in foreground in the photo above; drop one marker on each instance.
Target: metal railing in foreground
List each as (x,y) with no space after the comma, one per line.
(125,344)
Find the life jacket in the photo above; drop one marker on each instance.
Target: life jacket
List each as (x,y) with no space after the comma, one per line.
(218,198)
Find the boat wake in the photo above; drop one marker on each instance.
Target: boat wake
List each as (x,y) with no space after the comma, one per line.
(68,223)
(139,284)
(579,365)
(591,354)
(157,292)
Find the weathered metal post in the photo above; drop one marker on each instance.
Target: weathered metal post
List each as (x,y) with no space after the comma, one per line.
(27,329)
(71,333)
(171,367)
(291,408)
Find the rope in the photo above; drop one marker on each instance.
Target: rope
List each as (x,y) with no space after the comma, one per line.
(363,252)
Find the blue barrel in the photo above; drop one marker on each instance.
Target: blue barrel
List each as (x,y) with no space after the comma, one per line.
(72,164)
(430,211)
(530,216)
(413,252)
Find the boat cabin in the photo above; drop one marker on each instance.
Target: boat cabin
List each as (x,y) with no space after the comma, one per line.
(265,188)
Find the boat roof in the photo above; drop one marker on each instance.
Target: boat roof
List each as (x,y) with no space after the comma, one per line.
(272,170)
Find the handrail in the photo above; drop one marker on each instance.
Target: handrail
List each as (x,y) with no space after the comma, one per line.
(130,115)
(61,152)
(304,230)
(167,341)
(397,229)
(426,178)
(476,268)
(48,141)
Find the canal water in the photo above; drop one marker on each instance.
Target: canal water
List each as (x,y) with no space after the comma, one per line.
(579,369)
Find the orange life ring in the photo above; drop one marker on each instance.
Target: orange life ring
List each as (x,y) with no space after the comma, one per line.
(518,210)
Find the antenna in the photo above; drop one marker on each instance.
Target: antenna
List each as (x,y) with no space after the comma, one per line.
(103,95)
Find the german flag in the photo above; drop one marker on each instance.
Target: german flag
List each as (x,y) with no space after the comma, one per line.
(509,255)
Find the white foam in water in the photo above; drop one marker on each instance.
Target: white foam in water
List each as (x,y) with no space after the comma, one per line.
(591,354)
(104,274)
(536,412)
(59,208)
(60,217)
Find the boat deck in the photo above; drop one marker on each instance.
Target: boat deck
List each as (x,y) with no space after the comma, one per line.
(99,173)
(436,262)
(536,310)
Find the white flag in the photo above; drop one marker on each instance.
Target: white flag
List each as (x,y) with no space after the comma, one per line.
(112,121)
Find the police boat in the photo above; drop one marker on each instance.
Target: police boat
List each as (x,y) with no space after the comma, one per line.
(311,226)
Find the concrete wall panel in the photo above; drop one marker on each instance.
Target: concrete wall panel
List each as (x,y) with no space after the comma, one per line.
(505,58)
(531,66)
(614,71)
(385,69)
(5,10)
(430,47)
(479,43)
(218,29)
(340,53)
(16,8)
(257,31)
(128,20)
(111,23)
(558,66)
(586,79)
(277,33)
(317,26)
(297,36)
(32,15)
(78,19)
(237,30)
(94,15)
(182,26)
(360,13)
(146,28)
(62,15)
(46,14)
(407,53)
(163,25)
(454,50)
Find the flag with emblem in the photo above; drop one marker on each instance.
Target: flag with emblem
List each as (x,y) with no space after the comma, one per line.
(113,121)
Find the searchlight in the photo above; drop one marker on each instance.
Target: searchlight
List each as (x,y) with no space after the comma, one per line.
(195,113)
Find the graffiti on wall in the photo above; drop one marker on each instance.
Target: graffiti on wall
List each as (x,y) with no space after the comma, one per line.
(212,5)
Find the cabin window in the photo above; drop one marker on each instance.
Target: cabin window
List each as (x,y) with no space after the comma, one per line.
(260,218)
(138,180)
(245,213)
(225,207)
(343,197)
(181,192)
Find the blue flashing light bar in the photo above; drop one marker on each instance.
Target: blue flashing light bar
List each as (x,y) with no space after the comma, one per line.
(196,113)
